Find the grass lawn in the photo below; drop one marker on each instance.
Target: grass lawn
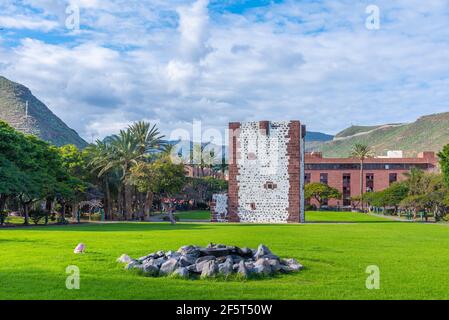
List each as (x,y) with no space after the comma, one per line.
(412,258)
(349,217)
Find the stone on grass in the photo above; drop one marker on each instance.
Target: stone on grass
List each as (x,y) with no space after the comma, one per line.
(294,265)
(242,271)
(131,265)
(186,260)
(209,269)
(226,268)
(275,265)
(79,248)
(191,261)
(262,267)
(150,269)
(181,272)
(262,250)
(124,258)
(169,266)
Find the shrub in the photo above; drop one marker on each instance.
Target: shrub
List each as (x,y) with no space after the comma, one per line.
(3,215)
(95,216)
(37,215)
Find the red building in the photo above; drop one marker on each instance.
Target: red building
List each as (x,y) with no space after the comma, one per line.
(379,173)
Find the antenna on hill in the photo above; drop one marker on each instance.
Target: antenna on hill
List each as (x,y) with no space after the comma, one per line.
(26,110)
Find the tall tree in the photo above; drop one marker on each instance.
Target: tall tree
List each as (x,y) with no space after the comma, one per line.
(444,163)
(361,152)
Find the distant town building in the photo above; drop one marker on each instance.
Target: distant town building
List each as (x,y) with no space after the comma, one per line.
(379,173)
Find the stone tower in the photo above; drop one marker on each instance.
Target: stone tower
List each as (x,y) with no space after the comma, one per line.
(266,172)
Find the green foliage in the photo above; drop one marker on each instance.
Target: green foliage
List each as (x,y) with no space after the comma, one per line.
(444,163)
(320,192)
(37,215)
(202,189)
(361,152)
(3,216)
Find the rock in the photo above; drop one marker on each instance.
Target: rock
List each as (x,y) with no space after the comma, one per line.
(226,268)
(221,246)
(261,251)
(245,252)
(242,271)
(181,272)
(272,257)
(124,258)
(160,253)
(79,248)
(294,265)
(150,269)
(173,254)
(186,260)
(209,269)
(193,268)
(159,261)
(275,265)
(216,252)
(262,267)
(169,266)
(131,265)
(189,250)
(200,263)
(249,266)
(205,258)
(285,269)
(236,258)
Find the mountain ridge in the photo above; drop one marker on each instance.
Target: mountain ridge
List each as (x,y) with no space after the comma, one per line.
(427,133)
(27,114)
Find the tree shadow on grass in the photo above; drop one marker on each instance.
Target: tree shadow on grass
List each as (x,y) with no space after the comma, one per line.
(113,227)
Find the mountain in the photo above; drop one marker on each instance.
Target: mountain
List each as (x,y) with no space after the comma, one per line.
(318,136)
(428,133)
(35,119)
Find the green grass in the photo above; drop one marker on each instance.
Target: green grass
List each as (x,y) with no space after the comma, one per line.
(194,215)
(412,257)
(349,217)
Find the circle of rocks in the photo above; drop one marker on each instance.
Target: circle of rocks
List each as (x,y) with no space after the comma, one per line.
(214,260)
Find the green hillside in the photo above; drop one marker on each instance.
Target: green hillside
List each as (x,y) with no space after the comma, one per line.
(352,130)
(428,133)
(39,120)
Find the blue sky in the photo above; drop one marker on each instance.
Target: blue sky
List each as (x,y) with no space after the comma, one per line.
(174,62)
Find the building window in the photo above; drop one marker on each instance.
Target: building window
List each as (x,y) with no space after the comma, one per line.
(270,185)
(393,178)
(307,178)
(369,182)
(346,189)
(324,178)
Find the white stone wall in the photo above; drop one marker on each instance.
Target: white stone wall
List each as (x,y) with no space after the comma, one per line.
(221,206)
(263,158)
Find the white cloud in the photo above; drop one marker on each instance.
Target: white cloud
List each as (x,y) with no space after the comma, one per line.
(178,61)
(22,22)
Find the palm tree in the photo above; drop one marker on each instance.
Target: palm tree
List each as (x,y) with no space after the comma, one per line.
(149,139)
(100,155)
(119,153)
(361,152)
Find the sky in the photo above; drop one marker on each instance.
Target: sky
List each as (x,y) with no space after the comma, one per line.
(329,64)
